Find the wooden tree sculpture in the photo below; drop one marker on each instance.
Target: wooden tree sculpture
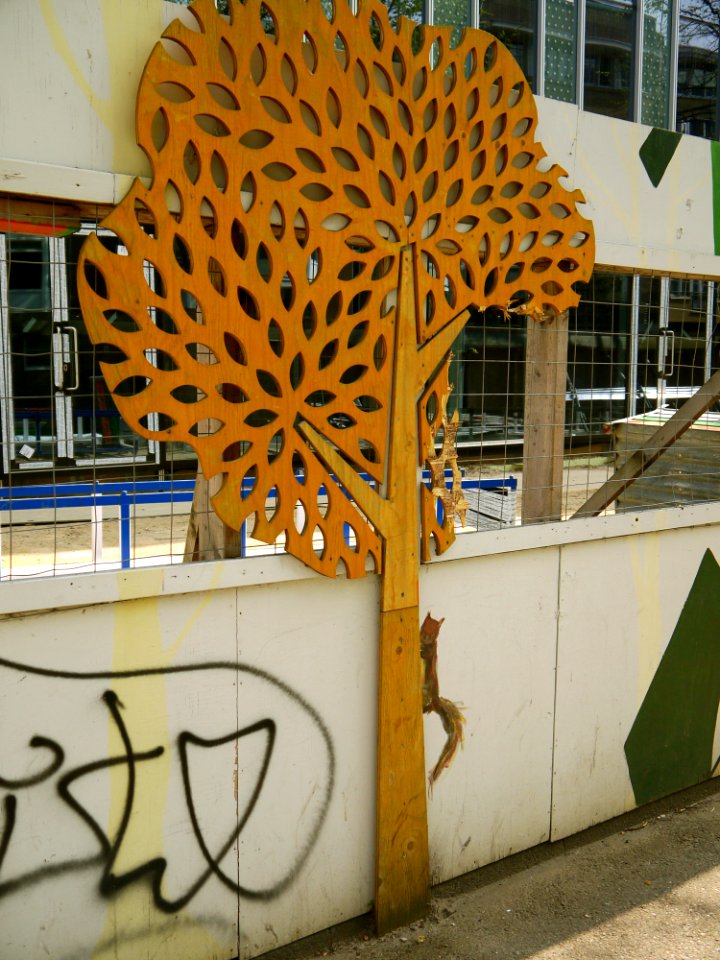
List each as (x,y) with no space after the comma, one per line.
(328,197)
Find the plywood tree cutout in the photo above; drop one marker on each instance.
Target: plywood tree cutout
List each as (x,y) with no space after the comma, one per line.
(328,197)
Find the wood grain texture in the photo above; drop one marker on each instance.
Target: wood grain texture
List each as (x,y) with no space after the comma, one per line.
(293,158)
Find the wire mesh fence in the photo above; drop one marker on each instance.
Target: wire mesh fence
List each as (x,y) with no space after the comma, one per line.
(637,349)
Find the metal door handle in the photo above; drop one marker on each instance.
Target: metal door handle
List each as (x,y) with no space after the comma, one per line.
(669,336)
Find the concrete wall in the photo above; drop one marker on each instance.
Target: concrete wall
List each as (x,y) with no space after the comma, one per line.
(71,135)
(187,758)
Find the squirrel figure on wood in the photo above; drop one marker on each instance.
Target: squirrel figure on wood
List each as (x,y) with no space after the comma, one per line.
(449,712)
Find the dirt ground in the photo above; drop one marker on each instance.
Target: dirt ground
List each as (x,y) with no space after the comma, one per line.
(643,887)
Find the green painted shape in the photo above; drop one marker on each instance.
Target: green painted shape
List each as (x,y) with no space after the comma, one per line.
(670,744)
(657,151)
(715,165)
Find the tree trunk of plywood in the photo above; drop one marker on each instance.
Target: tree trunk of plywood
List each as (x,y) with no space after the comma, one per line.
(208,538)
(545,386)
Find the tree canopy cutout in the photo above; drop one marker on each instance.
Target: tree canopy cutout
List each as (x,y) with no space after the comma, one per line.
(295,155)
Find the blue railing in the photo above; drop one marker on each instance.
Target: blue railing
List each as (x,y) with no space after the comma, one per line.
(126,496)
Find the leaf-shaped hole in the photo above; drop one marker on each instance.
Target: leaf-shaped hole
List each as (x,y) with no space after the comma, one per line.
(419,83)
(552,288)
(248,303)
(207,427)
(275,109)
(482,194)
(263,262)
(173,201)
(334,308)
(429,306)
(191,162)
(182,254)
(410,210)
(314,265)
(541,265)
(522,160)
(202,353)
(386,187)
(333,108)
(280,172)
(310,118)
(491,282)
(450,76)
(121,321)
(498,127)
(430,264)
(511,189)
(579,239)
(309,52)
(309,320)
(501,160)
(219,172)
(258,65)
(528,241)
(539,189)
(277,220)
(382,81)
(466,224)
(358,334)
(162,320)
(478,164)
(256,139)
(328,354)
(216,275)
(310,160)
(276,445)
(471,64)
(367,404)
(552,238)
(382,268)
(268,22)
(287,291)
(472,104)
(514,272)
(379,123)
(449,120)
(317,192)
(528,210)
(260,418)
(162,422)
(436,53)
(398,65)
(238,238)
(376,32)
(190,305)
(351,270)
(467,274)
(362,81)
(301,228)
(159,129)
(490,58)
(345,159)
(449,247)
(432,408)
(320,398)
(484,249)
(288,74)
(248,191)
(174,92)
(236,451)
(341,421)
(356,196)
(358,303)
(450,290)
(228,60)
(506,244)
(451,154)
(187,393)
(430,115)
(235,349)
(430,226)
(297,371)
(495,91)
(268,383)
(405,117)
(430,186)
(454,193)
(154,279)
(341,51)
(522,127)
(368,450)
(212,125)
(160,360)
(399,162)
(380,353)
(365,141)
(559,210)
(499,215)
(231,392)
(353,373)
(568,265)
(516,93)
(208,217)
(223,96)
(276,339)
(131,386)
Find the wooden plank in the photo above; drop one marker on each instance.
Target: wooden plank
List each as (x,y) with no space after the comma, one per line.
(208,538)
(657,444)
(545,385)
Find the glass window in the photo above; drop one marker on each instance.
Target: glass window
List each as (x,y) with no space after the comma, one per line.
(609,41)
(561,50)
(514,22)
(656,63)
(697,84)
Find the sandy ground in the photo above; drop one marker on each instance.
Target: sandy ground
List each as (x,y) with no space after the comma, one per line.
(48,548)
(643,887)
